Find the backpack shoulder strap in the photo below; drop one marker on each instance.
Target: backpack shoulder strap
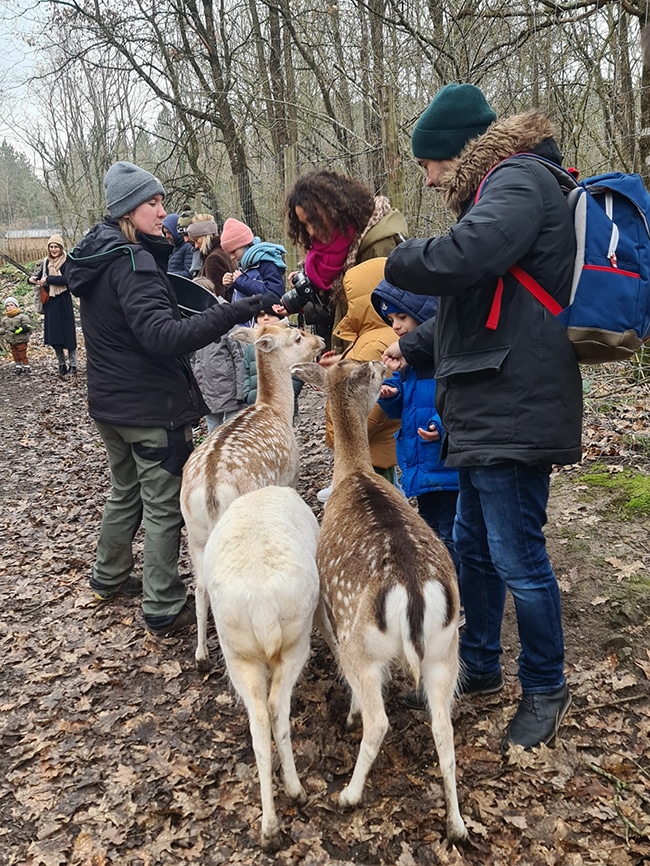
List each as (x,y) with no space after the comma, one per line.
(567,182)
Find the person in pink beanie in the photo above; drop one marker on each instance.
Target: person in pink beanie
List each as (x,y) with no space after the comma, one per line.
(261,264)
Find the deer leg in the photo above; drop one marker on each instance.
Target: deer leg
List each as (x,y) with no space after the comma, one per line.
(439,683)
(324,626)
(366,680)
(202,602)
(250,681)
(283,680)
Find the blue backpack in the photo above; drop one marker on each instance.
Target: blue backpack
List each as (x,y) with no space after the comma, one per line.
(608,315)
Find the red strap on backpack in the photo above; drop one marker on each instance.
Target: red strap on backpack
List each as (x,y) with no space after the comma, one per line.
(536,290)
(528,283)
(518,273)
(495,309)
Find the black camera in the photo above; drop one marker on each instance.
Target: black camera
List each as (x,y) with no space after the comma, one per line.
(302,293)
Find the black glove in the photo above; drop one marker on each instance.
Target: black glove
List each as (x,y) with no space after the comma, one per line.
(248,308)
(318,315)
(270,300)
(22,329)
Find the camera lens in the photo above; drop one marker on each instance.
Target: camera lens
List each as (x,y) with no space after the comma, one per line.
(292,301)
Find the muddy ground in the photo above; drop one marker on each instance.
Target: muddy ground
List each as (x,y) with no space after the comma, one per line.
(114,750)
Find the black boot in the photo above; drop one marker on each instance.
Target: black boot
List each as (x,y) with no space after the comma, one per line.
(62,370)
(537,719)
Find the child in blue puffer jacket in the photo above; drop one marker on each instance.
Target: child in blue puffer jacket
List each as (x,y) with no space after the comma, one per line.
(411,395)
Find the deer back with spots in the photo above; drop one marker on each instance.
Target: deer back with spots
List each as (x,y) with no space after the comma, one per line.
(256,448)
(388,584)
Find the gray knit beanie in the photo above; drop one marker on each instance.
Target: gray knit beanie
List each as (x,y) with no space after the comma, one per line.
(458,113)
(128,186)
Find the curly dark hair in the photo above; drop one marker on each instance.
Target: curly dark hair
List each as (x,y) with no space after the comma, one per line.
(343,199)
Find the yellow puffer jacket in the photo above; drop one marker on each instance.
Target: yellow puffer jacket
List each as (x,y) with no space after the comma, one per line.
(369,336)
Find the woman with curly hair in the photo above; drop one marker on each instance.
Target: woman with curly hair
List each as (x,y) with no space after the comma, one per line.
(338,222)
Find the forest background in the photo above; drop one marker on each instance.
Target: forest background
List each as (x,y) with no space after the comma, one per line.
(227,102)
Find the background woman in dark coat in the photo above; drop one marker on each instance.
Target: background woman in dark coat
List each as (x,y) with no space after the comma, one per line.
(60,332)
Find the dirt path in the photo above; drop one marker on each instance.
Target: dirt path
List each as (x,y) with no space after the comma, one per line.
(115,751)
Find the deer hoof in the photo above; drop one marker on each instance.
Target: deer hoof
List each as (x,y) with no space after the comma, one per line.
(203,665)
(347,801)
(271,840)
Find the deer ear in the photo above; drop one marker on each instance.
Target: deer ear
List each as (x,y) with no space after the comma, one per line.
(266,343)
(311,373)
(243,335)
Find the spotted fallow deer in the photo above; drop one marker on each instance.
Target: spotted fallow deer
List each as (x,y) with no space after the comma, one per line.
(388,584)
(254,449)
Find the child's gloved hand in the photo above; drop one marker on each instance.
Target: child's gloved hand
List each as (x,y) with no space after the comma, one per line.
(20,330)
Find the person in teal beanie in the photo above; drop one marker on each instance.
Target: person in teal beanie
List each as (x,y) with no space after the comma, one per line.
(509,390)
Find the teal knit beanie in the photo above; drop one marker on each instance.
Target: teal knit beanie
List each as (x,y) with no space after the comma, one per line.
(457,113)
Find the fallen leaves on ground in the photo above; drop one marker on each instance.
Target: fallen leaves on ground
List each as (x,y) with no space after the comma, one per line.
(116,751)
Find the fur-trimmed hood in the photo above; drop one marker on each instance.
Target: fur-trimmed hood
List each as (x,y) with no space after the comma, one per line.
(521,133)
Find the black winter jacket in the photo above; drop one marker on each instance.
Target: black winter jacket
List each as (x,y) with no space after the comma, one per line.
(137,344)
(513,393)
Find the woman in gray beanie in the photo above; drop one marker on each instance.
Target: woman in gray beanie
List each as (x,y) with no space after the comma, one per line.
(142,394)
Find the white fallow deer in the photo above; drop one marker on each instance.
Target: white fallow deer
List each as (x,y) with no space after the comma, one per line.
(259,568)
(254,449)
(388,584)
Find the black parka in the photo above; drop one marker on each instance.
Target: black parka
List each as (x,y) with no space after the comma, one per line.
(515,392)
(137,343)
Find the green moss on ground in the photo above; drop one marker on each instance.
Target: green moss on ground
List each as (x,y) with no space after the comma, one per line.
(631,489)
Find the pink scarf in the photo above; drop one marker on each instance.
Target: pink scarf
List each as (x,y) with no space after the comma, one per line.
(324,262)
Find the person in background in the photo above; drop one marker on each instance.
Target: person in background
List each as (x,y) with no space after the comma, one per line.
(15,328)
(197,258)
(180,260)
(218,368)
(59,331)
(509,390)
(338,223)
(268,315)
(142,394)
(261,264)
(215,261)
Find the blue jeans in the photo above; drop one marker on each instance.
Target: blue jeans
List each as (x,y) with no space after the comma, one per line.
(500,543)
(438,509)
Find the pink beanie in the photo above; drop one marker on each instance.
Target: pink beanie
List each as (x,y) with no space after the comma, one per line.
(235,235)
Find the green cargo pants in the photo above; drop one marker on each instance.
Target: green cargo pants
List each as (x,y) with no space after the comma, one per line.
(146,465)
